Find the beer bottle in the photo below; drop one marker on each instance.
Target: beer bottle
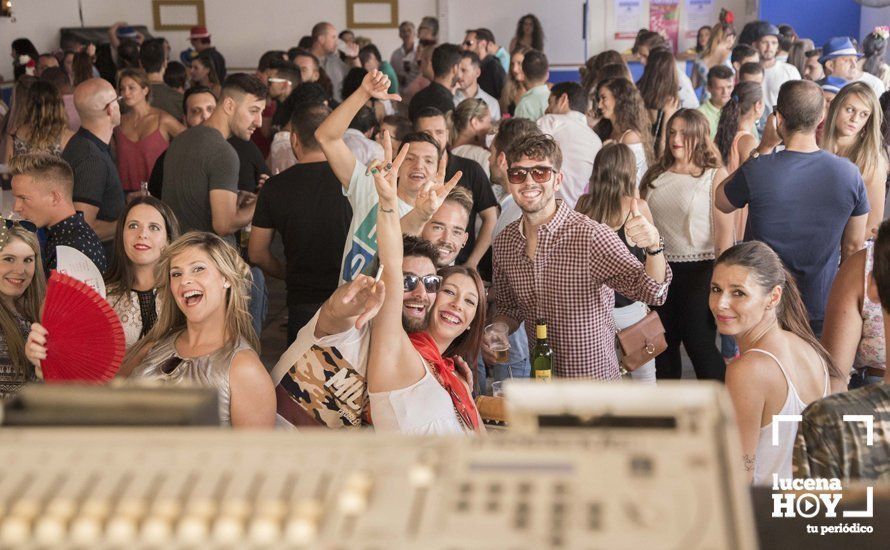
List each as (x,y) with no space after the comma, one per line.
(542,355)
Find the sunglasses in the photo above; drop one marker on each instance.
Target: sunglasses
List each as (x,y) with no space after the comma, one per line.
(541,174)
(24,224)
(431,283)
(469,43)
(275,80)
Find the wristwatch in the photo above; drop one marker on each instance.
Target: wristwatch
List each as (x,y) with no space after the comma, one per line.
(658,250)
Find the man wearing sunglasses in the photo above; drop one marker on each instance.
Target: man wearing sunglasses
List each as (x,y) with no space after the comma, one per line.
(558,265)
(321,377)
(492,74)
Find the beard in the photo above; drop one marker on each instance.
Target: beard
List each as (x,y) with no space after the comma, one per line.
(415,325)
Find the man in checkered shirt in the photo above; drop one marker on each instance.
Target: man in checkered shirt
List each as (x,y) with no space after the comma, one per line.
(560,266)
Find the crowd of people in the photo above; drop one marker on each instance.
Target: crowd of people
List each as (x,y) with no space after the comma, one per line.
(743,204)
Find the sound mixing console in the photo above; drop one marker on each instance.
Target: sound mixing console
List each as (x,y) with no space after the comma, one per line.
(597,471)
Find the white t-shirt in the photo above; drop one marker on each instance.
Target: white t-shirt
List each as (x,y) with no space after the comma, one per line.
(579,145)
(688,98)
(322,381)
(361,243)
(873,82)
(774,77)
(365,150)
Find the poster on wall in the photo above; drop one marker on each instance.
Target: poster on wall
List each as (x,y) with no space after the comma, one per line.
(699,13)
(628,15)
(664,18)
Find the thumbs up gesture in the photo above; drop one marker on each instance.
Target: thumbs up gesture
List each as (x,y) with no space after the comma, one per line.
(639,230)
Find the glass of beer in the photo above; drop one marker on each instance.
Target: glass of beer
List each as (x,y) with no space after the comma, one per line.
(496,337)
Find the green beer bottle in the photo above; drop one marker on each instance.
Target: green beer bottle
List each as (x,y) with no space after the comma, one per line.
(542,355)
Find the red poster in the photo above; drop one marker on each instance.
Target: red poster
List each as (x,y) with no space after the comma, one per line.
(664,18)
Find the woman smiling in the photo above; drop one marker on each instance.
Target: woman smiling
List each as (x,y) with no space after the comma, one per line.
(144,230)
(22,288)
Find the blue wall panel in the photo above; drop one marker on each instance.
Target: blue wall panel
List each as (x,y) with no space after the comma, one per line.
(816,19)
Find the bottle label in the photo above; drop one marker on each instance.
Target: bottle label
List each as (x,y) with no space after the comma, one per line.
(541,332)
(543,374)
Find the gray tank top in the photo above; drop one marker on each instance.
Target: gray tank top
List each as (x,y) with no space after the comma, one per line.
(164,365)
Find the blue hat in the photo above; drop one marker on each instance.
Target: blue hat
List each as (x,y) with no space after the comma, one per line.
(832,84)
(839,46)
(127,32)
(765,28)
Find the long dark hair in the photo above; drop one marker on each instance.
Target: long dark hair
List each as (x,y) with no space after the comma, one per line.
(698,138)
(467,345)
(874,46)
(769,272)
(22,46)
(614,177)
(659,82)
(744,97)
(630,112)
(119,278)
(537,31)
(595,64)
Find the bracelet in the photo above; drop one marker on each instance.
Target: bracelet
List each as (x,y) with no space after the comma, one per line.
(658,250)
(385,210)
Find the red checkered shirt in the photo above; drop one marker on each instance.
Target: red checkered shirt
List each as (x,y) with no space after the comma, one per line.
(569,284)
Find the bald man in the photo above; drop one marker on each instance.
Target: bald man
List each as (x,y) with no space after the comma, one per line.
(324,47)
(97,187)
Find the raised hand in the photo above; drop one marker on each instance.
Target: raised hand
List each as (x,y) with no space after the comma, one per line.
(361,298)
(376,84)
(433,194)
(386,177)
(639,231)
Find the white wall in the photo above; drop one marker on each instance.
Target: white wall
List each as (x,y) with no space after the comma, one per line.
(242,31)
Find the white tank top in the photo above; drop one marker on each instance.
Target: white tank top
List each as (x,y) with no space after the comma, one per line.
(423,408)
(776,459)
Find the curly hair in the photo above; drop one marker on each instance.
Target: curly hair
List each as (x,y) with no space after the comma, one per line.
(535,146)
(537,31)
(630,112)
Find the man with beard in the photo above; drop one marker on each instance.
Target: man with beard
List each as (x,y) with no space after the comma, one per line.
(321,377)
(447,229)
(201,168)
(557,265)
(775,72)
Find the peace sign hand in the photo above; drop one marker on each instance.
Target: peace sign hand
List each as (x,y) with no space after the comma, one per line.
(386,177)
(433,194)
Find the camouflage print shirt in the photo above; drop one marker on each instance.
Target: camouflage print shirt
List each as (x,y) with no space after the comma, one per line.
(829,447)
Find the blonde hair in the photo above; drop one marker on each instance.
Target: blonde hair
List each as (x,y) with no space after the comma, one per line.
(867,149)
(27,305)
(468,110)
(234,270)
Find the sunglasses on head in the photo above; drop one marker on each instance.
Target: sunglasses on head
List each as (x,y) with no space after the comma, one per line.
(431,283)
(541,174)
(24,224)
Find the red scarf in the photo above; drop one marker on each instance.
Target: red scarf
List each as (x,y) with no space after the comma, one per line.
(444,371)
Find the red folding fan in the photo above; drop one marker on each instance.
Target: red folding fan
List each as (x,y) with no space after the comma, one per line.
(85,341)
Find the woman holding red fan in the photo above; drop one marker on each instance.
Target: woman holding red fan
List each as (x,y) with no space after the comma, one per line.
(22,287)
(203,335)
(144,230)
